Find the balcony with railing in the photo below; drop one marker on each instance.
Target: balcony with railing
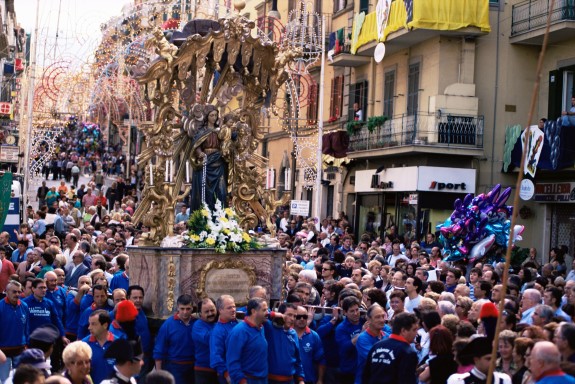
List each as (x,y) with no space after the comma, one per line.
(424,20)
(420,133)
(529,19)
(339,47)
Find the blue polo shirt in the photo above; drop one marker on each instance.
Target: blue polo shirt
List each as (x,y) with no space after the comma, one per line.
(43,312)
(14,331)
(218,340)
(201,332)
(174,342)
(311,353)
(101,367)
(247,355)
(58,297)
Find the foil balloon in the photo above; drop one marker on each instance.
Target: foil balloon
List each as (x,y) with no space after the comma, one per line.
(480,249)
(476,224)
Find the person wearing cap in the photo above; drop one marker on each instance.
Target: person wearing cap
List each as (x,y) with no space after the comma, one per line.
(99,341)
(42,310)
(479,349)
(124,324)
(15,326)
(174,349)
(393,360)
(44,339)
(34,357)
(129,359)
(100,295)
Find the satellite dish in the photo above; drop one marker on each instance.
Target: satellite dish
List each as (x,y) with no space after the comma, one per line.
(379,52)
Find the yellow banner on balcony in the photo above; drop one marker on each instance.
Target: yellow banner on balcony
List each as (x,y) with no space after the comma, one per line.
(397,18)
(367,33)
(441,15)
(450,15)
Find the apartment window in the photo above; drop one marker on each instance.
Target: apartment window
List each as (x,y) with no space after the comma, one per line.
(336,101)
(358,94)
(338,5)
(388,93)
(312,103)
(330,196)
(413,89)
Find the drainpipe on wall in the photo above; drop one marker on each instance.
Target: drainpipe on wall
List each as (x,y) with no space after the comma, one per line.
(496,93)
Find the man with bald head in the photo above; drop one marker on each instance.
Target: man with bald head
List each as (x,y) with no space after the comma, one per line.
(55,293)
(544,364)
(531,298)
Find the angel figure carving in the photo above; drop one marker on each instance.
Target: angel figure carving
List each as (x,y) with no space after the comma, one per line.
(161,45)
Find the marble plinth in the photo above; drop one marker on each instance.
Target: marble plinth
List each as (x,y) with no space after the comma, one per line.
(166,273)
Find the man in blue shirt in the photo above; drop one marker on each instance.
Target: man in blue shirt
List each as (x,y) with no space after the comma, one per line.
(15,327)
(100,302)
(283,352)
(121,278)
(345,335)
(201,332)
(183,215)
(99,341)
(42,310)
(20,254)
(174,349)
(393,360)
(247,355)
(136,295)
(226,307)
(73,300)
(55,293)
(310,348)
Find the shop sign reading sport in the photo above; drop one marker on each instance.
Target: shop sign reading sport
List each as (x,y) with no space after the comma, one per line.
(437,185)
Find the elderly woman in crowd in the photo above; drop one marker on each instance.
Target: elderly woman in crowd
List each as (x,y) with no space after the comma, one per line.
(77,360)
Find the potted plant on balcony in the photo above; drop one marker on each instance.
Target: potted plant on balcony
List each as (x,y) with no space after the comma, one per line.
(375,122)
(353,126)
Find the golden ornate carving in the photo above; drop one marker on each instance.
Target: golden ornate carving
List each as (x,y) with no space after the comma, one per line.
(226,264)
(180,83)
(171,284)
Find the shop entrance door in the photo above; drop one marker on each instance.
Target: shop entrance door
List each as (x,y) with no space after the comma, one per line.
(563,228)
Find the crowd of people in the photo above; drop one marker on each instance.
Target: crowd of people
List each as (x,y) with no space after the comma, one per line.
(370,310)
(373,309)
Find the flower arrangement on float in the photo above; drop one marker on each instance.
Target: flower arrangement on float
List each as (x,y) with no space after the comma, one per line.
(218,229)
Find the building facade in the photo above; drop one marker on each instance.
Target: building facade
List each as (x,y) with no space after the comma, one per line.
(434,110)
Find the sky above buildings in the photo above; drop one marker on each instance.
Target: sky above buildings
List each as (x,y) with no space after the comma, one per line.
(69,30)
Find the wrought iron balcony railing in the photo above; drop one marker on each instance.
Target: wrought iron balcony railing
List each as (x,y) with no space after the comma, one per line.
(532,14)
(421,130)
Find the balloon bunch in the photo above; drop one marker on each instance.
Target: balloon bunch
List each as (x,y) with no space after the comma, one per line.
(476,224)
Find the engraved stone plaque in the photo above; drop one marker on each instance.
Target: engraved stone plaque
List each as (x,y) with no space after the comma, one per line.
(228,281)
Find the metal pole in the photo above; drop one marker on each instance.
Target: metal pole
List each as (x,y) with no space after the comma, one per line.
(25,168)
(318,186)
